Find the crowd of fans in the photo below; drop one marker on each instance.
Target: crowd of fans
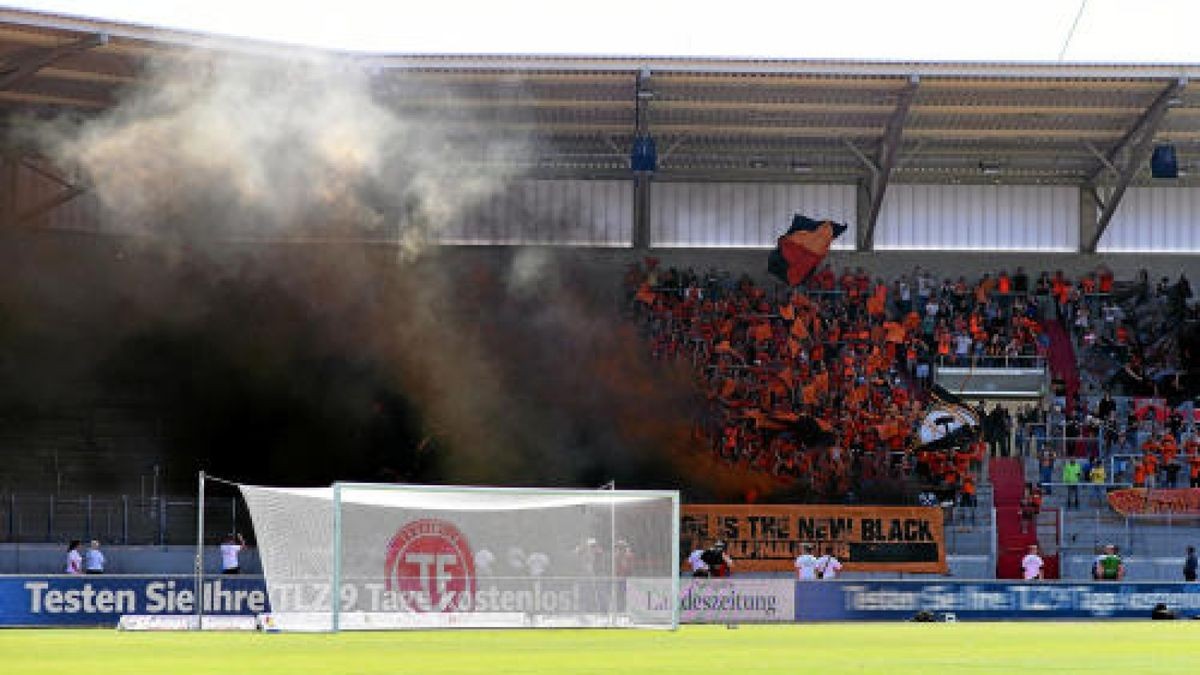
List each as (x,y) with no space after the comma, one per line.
(847,359)
(1140,419)
(1145,442)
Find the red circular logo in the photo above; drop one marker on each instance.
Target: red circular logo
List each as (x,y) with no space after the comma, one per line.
(430,567)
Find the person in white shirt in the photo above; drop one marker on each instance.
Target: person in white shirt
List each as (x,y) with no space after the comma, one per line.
(484,559)
(828,565)
(74,558)
(537,563)
(230,548)
(806,565)
(1032,563)
(93,560)
(962,347)
(696,563)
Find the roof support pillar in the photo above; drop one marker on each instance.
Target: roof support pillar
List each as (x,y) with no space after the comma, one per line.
(641,212)
(862,206)
(889,152)
(642,181)
(1128,156)
(1089,207)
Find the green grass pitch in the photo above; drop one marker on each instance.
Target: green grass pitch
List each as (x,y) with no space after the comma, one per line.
(1084,647)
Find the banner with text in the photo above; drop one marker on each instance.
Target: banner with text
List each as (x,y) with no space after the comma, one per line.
(900,600)
(768,537)
(1131,501)
(713,600)
(66,600)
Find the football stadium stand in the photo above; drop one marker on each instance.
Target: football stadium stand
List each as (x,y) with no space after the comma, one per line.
(988,336)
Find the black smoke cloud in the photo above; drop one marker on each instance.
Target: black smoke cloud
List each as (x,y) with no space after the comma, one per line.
(232,303)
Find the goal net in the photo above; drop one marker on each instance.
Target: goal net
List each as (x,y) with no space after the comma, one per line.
(374,556)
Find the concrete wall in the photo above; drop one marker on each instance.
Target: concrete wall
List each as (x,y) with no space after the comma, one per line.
(978,217)
(603,267)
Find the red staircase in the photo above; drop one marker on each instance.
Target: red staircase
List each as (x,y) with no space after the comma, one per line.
(1008,484)
(1061,359)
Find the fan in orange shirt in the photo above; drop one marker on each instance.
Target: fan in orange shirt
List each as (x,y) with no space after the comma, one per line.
(1151,446)
(1169,449)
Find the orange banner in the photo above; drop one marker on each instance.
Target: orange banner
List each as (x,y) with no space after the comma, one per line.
(1132,501)
(767,538)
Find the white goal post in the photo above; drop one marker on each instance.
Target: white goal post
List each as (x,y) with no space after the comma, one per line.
(362,556)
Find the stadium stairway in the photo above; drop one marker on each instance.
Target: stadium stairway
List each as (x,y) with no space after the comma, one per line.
(1008,482)
(1061,358)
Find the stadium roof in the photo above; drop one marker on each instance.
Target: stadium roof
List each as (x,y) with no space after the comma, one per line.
(713,118)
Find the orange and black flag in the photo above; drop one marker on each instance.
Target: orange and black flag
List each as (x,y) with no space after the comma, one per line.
(802,249)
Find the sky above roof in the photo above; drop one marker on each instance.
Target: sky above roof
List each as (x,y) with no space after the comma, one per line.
(1108,31)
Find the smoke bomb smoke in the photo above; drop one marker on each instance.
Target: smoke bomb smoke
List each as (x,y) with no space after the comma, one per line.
(267,360)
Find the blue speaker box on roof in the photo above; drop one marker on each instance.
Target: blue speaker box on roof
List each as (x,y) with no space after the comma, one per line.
(1163,163)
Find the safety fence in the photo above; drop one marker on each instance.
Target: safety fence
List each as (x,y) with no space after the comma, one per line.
(122,519)
(1152,535)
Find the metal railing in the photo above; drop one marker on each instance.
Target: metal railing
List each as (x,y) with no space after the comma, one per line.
(1063,446)
(1029,362)
(1086,495)
(1142,534)
(124,519)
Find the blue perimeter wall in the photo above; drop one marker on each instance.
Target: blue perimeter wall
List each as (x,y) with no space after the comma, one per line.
(100,600)
(60,600)
(967,600)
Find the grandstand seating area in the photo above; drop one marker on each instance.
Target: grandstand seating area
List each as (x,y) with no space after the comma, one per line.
(850,357)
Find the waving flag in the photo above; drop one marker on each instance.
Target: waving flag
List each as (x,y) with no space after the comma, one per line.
(949,422)
(802,249)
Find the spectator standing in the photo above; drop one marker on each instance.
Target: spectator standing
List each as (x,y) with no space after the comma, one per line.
(1020,282)
(1046,468)
(484,560)
(1110,436)
(1032,563)
(828,566)
(74,557)
(1071,474)
(1031,505)
(966,497)
(624,559)
(806,565)
(718,561)
(231,549)
(696,563)
(1172,473)
(1189,564)
(1107,407)
(591,557)
(1109,566)
(1004,429)
(987,423)
(537,563)
(93,560)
